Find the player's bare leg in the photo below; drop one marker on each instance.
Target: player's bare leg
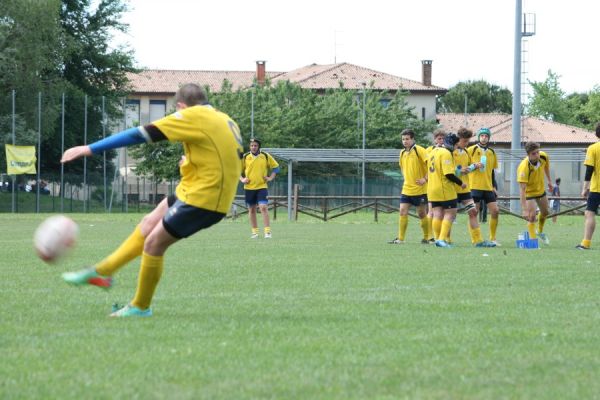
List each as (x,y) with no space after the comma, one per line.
(253,222)
(264,211)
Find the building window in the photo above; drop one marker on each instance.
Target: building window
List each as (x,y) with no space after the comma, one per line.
(132,113)
(385,103)
(422,112)
(158,109)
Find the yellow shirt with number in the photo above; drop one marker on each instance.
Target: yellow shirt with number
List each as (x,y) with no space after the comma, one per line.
(592,158)
(478,179)
(213,150)
(533,175)
(440,163)
(413,167)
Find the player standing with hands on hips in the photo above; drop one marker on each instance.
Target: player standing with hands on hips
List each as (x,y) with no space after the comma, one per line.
(259,168)
(209,179)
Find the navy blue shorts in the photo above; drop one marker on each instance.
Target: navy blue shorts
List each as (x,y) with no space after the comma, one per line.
(486,195)
(183,220)
(464,196)
(259,196)
(593,201)
(419,200)
(446,205)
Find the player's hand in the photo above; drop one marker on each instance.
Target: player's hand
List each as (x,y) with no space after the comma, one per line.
(463,186)
(181,160)
(245,180)
(421,181)
(585,192)
(267,179)
(479,165)
(550,187)
(75,152)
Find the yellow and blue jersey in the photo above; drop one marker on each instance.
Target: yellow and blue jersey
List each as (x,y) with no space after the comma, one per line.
(413,167)
(440,164)
(212,145)
(478,179)
(256,167)
(592,158)
(533,175)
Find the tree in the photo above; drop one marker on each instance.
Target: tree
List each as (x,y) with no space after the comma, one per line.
(481,97)
(548,100)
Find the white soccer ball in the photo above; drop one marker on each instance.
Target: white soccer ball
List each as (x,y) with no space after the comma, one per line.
(54,237)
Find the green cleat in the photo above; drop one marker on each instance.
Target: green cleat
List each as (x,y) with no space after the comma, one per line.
(87,276)
(132,311)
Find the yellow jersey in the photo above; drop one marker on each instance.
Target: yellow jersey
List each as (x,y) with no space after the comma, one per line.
(213,149)
(462,159)
(533,175)
(592,158)
(441,163)
(413,167)
(256,167)
(478,179)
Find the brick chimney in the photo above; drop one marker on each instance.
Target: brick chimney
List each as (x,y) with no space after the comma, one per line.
(426,72)
(260,72)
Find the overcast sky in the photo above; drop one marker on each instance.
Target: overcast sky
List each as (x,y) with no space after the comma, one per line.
(466,39)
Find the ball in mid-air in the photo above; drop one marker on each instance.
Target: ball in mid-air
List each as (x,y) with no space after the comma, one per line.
(54,237)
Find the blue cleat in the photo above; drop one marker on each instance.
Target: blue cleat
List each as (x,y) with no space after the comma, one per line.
(132,311)
(87,276)
(544,238)
(443,243)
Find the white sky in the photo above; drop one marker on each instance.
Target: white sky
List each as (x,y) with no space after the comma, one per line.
(466,39)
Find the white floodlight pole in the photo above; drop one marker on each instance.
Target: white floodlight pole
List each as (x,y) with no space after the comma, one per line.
(516,109)
(364,135)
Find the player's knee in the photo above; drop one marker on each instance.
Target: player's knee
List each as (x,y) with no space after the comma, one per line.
(263,207)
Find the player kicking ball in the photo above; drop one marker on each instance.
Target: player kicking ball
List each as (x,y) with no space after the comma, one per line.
(209,180)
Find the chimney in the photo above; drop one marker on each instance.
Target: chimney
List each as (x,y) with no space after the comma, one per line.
(260,72)
(426,72)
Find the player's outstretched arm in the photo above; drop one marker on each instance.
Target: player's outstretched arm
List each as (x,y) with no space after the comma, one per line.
(125,138)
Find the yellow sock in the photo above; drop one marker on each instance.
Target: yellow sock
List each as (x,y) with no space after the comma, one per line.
(402,225)
(493,227)
(541,222)
(445,231)
(425,228)
(437,227)
(531,230)
(150,272)
(255,231)
(586,243)
(267,229)
(475,235)
(430,233)
(129,249)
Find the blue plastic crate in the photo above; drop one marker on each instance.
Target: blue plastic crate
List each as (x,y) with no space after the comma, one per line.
(528,244)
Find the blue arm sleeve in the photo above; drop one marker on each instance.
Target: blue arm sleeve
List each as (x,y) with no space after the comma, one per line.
(122,139)
(276,170)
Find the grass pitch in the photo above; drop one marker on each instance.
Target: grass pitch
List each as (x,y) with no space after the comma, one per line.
(322,311)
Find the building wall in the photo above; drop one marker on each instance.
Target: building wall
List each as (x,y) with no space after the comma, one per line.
(424,105)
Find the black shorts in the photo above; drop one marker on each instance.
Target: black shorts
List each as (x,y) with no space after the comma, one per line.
(183,220)
(446,205)
(464,196)
(486,195)
(419,200)
(593,201)
(258,196)
(536,197)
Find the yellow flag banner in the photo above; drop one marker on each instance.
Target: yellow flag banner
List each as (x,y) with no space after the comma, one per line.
(20,159)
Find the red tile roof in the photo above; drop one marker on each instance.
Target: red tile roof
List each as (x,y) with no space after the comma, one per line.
(329,77)
(310,77)
(168,81)
(533,129)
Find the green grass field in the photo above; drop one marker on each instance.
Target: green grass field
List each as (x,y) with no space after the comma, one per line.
(322,311)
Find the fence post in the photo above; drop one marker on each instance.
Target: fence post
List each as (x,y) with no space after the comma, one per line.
(376,206)
(325,208)
(296,202)
(274,209)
